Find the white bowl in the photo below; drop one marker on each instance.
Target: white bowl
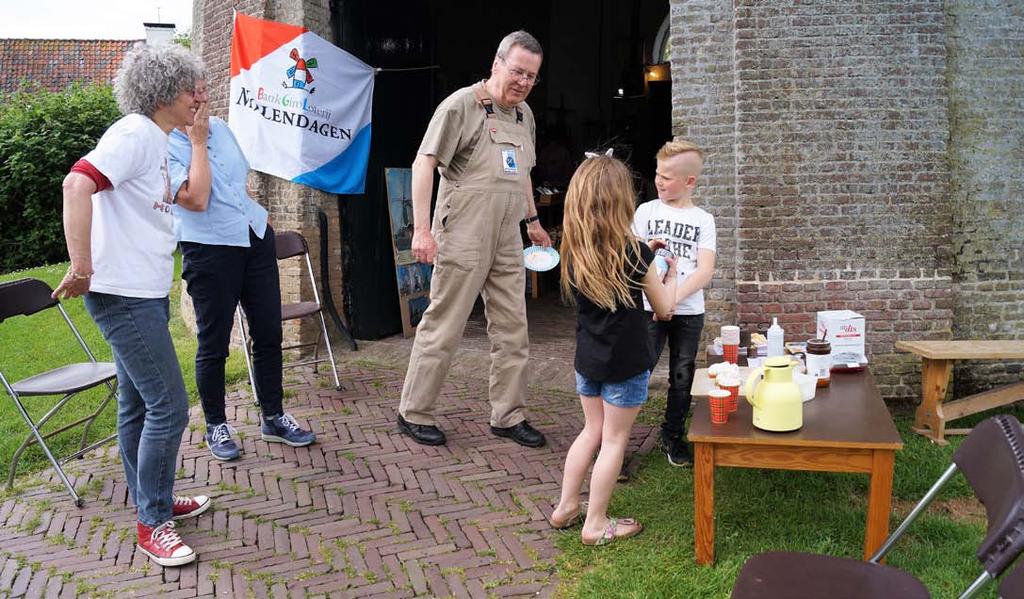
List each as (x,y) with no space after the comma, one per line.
(808,385)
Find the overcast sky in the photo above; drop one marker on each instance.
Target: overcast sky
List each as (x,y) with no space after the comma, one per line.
(90,19)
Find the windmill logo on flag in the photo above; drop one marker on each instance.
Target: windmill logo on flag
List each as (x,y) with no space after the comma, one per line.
(299,73)
(324,144)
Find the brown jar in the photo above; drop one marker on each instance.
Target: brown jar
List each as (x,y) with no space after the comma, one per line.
(819,360)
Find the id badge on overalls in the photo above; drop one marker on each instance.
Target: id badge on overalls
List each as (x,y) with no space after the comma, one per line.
(508,161)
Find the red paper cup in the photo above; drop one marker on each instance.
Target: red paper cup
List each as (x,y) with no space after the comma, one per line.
(718,399)
(733,387)
(731,353)
(730,342)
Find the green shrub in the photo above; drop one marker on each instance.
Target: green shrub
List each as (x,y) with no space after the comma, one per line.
(41,135)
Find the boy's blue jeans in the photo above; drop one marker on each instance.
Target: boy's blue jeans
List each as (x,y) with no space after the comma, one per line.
(683,336)
(152,406)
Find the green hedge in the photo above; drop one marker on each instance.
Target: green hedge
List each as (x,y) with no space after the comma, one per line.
(41,135)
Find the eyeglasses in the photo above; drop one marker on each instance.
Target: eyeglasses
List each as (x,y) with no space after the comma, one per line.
(521,75)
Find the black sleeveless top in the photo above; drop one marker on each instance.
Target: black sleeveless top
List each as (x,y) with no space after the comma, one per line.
(615,346)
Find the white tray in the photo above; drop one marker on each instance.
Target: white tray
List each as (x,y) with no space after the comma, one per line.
(702,384)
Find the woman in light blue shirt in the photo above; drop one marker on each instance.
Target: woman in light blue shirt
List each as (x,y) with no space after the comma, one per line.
(228,258)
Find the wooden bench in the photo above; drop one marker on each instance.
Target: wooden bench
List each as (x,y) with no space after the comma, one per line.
(937,364)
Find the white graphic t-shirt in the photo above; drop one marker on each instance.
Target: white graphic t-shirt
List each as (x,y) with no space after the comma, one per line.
(132,225)
(685,230)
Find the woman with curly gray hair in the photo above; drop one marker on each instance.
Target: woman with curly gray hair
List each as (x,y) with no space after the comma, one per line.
(119,232)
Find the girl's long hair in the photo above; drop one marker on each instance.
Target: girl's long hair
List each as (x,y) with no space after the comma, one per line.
(597,232)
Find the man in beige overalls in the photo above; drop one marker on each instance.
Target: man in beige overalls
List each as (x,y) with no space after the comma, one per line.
(481,139)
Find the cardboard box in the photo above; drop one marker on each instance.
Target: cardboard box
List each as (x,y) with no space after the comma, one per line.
(845,330)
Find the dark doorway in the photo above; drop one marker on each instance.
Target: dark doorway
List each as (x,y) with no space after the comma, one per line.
(594,93)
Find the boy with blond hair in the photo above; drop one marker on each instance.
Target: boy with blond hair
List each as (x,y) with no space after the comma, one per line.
(673,221)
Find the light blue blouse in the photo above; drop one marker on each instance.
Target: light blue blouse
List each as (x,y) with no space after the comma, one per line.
(231,212)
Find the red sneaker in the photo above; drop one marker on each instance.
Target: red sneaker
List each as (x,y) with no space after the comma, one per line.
(187,507)
(163,545)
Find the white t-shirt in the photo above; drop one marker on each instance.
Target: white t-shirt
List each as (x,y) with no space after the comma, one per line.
(686,230)
(132,225)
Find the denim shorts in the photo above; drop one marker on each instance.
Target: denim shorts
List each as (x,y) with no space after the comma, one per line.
(629,393)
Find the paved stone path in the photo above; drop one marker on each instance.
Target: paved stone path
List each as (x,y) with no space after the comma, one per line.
(365,512)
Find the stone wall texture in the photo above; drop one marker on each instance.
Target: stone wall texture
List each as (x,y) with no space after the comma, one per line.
(291,207)
(986,155)
(703,99)
(862,156)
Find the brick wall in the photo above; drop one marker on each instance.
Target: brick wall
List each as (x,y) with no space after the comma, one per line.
(860,155)
(986,80)
(840,192)
(703,97)
(291,207)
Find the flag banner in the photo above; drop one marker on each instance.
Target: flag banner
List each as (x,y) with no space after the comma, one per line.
(300,106)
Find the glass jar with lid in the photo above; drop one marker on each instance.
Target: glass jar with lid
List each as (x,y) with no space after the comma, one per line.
(819,360)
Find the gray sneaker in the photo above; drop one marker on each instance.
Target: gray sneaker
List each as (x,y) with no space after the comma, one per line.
(222,446)
(284,429)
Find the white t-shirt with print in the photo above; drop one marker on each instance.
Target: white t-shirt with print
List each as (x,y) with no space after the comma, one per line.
(686,230)
(132,225)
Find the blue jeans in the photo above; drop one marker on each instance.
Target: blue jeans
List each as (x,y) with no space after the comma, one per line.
(152,406)
(629,393)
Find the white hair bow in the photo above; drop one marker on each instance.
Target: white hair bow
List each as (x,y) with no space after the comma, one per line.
(607,152)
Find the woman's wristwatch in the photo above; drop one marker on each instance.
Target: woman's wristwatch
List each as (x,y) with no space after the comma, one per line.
(530,219)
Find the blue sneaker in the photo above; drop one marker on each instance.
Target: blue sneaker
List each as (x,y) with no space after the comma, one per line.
(284,429)
(222,446)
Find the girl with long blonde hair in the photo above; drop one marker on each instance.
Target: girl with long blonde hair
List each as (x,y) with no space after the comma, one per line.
(605,269)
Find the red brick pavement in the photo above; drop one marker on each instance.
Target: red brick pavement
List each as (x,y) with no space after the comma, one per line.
(365,512)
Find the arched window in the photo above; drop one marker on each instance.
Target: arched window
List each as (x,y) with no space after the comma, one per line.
(661,51)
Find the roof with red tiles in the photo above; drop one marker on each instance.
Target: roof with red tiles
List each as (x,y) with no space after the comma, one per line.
(55,64)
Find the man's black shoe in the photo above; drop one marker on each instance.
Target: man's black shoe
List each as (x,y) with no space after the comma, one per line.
(522,433)
(678,453)
(424,434)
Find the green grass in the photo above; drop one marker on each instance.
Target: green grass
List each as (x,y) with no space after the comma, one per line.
(756,510)
(29,345)
(764,510)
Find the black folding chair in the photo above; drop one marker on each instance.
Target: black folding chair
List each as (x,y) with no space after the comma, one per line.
(1012,584)
(289,245)
(25,297)
(992,461)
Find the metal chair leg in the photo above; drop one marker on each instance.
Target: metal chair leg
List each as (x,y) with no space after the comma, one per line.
(330,352)
(112,387)
(246,356)
(914,513)
(30,439)
(46,450)
(316,350)
(82,448)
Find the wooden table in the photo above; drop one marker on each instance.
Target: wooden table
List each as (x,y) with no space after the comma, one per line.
(537,280)
(534,283)
(847,428)
(937,358)
(549,209)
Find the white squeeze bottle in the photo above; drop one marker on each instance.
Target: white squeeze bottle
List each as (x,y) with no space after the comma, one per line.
(776,337)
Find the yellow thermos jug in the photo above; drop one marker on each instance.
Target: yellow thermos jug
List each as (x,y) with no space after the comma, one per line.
(778,406)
